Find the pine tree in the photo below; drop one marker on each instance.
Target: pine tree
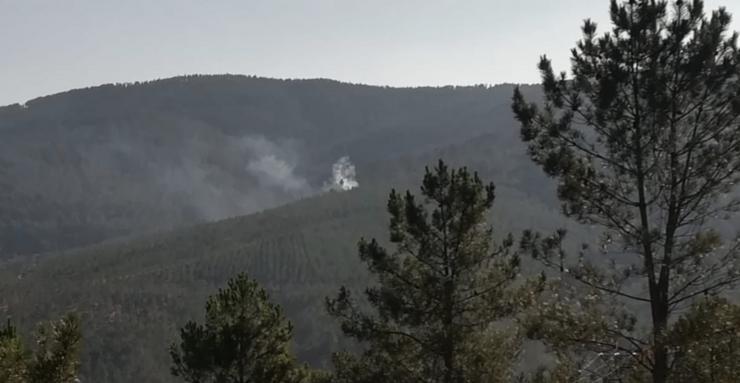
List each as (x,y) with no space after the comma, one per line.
(439,295)
(56,357)
(54,360)
(645,142)
(12,356)
(244,339)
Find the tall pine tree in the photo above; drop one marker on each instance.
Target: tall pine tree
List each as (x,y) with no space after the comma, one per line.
(645,142)
(439,294)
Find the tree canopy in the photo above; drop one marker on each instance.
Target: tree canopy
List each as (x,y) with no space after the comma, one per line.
(54,359)
(440,294)
(245,339)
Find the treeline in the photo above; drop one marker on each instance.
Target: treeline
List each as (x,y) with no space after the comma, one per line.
(644,141)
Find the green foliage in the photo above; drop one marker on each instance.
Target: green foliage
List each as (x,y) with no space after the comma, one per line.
(439,295)
(55,359)
(644,143)
(12,356)
(244,339)
(706,343)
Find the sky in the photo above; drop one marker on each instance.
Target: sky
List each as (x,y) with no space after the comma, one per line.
(49,46)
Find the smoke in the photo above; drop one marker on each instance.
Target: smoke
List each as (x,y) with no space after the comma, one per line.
(274,165)
(276,172)
(215,176)
(343,176)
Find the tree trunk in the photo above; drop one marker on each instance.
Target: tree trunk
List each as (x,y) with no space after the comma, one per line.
(660,367)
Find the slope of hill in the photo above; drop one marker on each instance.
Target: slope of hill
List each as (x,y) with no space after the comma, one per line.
(104,162)
(133,294)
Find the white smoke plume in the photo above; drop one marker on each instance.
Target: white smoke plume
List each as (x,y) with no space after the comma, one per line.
(343,176)
(274,165)
(276,172)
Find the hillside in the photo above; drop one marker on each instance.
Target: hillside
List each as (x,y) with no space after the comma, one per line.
(133,294)
(111,161)
(101,187)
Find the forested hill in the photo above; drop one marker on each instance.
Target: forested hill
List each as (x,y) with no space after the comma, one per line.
(110,161)
(127,163)
(133,295)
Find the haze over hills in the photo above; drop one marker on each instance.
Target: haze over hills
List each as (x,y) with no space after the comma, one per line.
(130,204)
(218,228)
(116,161)
(132,295)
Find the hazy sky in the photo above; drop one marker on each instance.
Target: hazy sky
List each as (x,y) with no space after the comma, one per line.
(54,45)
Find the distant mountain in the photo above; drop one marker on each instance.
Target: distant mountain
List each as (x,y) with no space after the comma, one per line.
(134,294)
(84,166)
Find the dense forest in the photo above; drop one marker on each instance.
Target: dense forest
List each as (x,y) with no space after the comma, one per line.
(117,160)
(580,230)
(299,252)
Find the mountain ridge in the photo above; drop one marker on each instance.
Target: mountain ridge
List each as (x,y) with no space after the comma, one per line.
(124,84)
(88,165)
